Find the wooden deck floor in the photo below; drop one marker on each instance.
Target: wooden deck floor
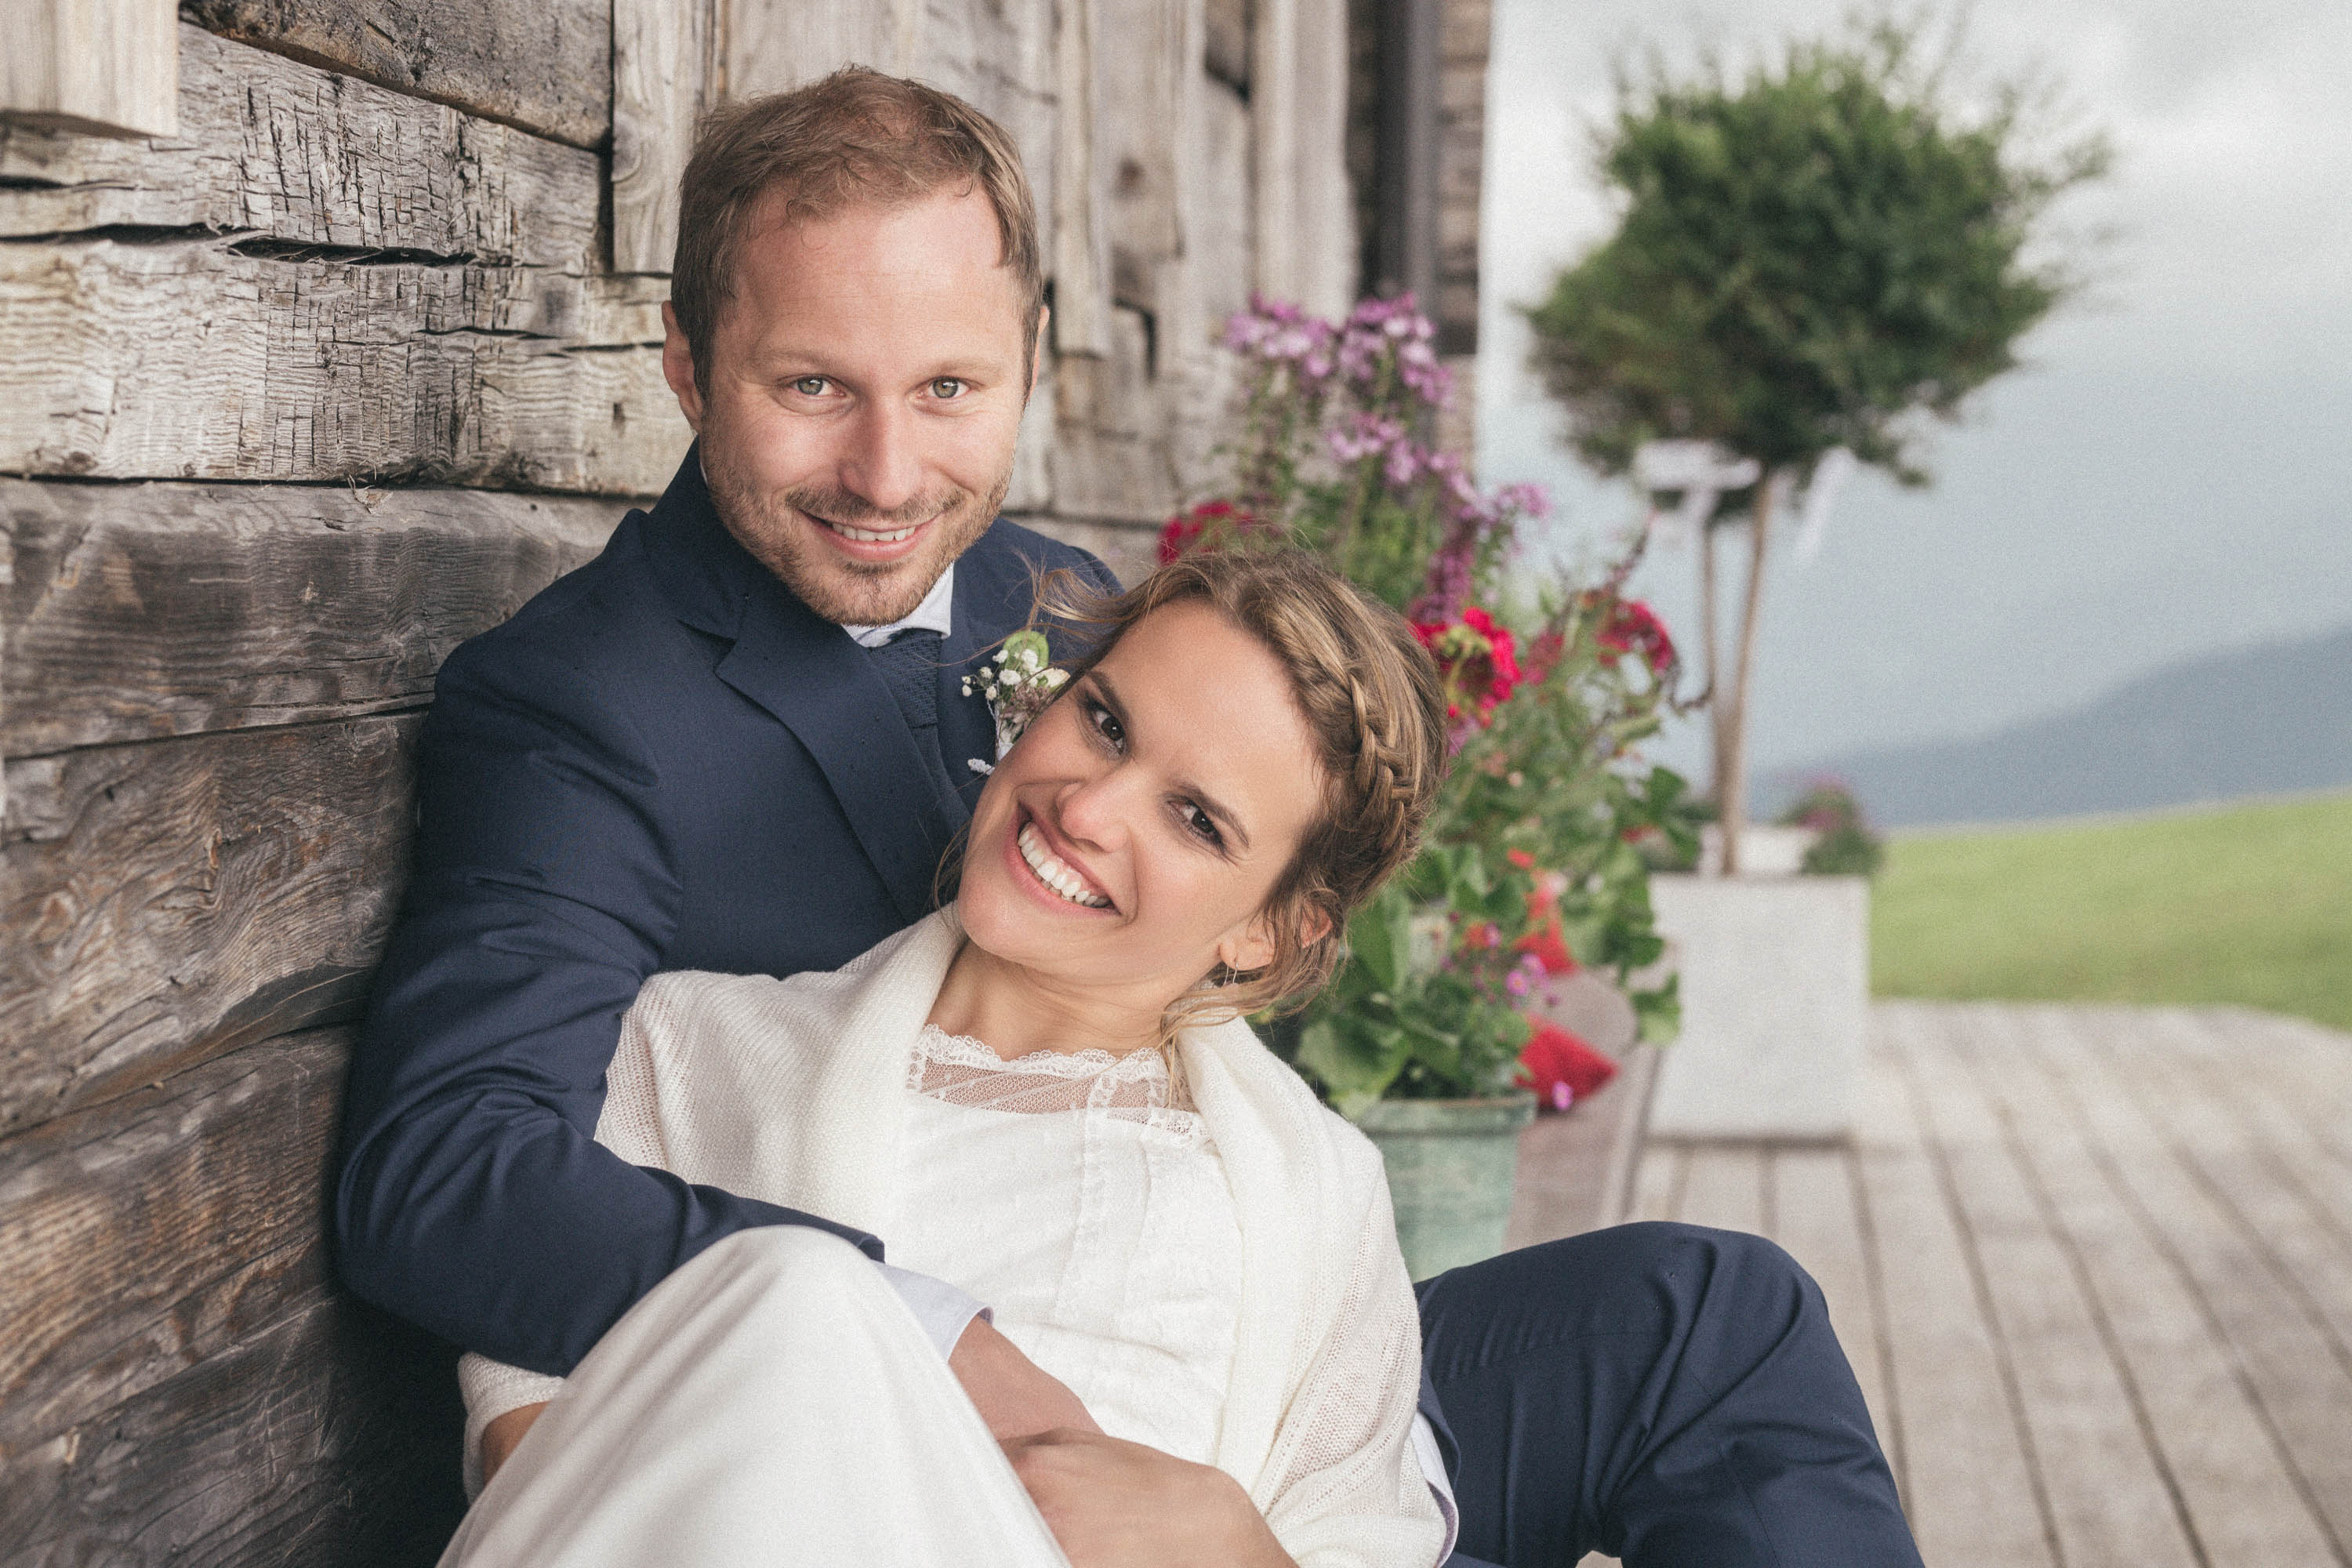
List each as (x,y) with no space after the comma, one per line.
(2094,1268)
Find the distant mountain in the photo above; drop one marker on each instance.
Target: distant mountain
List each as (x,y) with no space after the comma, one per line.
(2259,720)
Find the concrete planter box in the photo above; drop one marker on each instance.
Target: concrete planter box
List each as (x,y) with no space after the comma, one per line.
(1775,993)
(1453,1165)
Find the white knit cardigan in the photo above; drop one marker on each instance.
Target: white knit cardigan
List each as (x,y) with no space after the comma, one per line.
(791,1091)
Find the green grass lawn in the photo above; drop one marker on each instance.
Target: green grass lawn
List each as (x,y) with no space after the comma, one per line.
(2248,904)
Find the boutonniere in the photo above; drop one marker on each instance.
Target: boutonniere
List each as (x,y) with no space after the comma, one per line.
(1018,683)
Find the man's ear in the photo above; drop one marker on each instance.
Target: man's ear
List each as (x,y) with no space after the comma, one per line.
(677,368)
(1038,351)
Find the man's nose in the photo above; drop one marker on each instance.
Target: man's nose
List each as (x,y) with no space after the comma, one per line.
(882,465)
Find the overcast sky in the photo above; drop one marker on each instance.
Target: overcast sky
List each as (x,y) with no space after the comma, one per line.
(2170,474)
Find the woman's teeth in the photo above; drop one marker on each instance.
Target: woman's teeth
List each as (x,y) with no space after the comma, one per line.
(1053,873)
(872,536)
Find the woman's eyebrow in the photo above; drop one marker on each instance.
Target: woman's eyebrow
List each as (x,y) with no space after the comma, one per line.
(1107,694)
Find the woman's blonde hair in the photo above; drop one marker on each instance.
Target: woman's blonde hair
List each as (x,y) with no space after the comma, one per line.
(1375,708)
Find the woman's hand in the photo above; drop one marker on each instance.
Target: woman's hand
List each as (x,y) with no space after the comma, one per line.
(499,1437)
(1014,1394)
(1115,1504)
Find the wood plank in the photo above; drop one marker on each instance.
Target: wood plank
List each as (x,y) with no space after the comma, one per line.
(2111,1503)
(171,900)
(1080,258)
(2272,1105)
(2233,1478)
(661,84)
(195,360)
(1576,1169)
(543,64)
(2304,1394)
(328,1440)
(102,66)
(273,148)
(1970,1491)
(2219,1146)
(1658,1184)
(1724,1187)
(1817,1218)
(149,610)
(141,1237)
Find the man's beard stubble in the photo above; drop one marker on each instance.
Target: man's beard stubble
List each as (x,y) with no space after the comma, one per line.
(843,591)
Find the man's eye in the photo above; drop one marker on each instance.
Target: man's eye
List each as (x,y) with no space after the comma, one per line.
(810,385)
(947,388)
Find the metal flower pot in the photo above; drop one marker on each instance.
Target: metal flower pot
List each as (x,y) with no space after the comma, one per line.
(1452,1165)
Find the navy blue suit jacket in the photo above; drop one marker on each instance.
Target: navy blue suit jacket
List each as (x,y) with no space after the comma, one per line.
(665,760)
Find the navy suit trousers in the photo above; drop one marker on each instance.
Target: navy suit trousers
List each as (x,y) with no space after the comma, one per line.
(1671,1395)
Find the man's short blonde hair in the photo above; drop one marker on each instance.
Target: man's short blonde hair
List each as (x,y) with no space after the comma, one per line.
(855,136)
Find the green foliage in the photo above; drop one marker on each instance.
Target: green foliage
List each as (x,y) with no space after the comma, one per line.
(1845,845)
(1810,256)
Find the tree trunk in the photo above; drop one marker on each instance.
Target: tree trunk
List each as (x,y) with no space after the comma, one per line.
(1708,640)
(1731,718)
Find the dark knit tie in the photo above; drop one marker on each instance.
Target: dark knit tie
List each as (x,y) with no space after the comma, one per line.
(909,663)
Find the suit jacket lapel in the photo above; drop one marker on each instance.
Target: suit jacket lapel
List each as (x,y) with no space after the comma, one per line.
(803,669)
(806,671)
(967,729)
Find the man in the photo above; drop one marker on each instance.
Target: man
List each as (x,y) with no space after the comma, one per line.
(736,742)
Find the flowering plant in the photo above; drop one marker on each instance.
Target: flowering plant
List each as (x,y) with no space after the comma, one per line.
(1529,867)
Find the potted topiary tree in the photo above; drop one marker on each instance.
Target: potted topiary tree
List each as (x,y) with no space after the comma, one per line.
(1531,864)
(1813,260)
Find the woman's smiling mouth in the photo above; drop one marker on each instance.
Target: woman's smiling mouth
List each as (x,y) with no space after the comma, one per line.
(1057,875)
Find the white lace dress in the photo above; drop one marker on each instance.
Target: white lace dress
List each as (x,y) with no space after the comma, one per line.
(1081,1197)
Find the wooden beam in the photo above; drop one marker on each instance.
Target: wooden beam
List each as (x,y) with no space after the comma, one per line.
(1274,125)
(104,66)
(545,66)
(204,360)
(1079,265)
(328,1440)
(150,610)
(661,84)
(281,151)
(142,1236)
(169,902)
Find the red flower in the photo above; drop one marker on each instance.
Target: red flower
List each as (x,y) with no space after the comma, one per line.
(1632,626)
(1560,1068)
(1521,858)
(1202,528)
(1479,659)
(1549,944)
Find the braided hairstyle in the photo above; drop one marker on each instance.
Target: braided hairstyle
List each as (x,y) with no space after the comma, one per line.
(1373,703)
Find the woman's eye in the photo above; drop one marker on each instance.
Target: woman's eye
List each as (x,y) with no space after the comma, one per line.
(810,385)
(1201,823)
(1106,725)
(947,388)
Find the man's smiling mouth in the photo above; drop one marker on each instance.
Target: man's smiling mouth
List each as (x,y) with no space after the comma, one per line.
(868,535)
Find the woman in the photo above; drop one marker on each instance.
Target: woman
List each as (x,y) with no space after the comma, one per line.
(1043,1095)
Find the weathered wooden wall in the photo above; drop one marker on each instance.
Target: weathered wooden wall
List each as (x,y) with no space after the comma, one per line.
(298,397)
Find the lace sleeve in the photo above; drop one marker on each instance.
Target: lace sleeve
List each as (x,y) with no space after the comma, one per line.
(1348,1494)
(491,1389)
